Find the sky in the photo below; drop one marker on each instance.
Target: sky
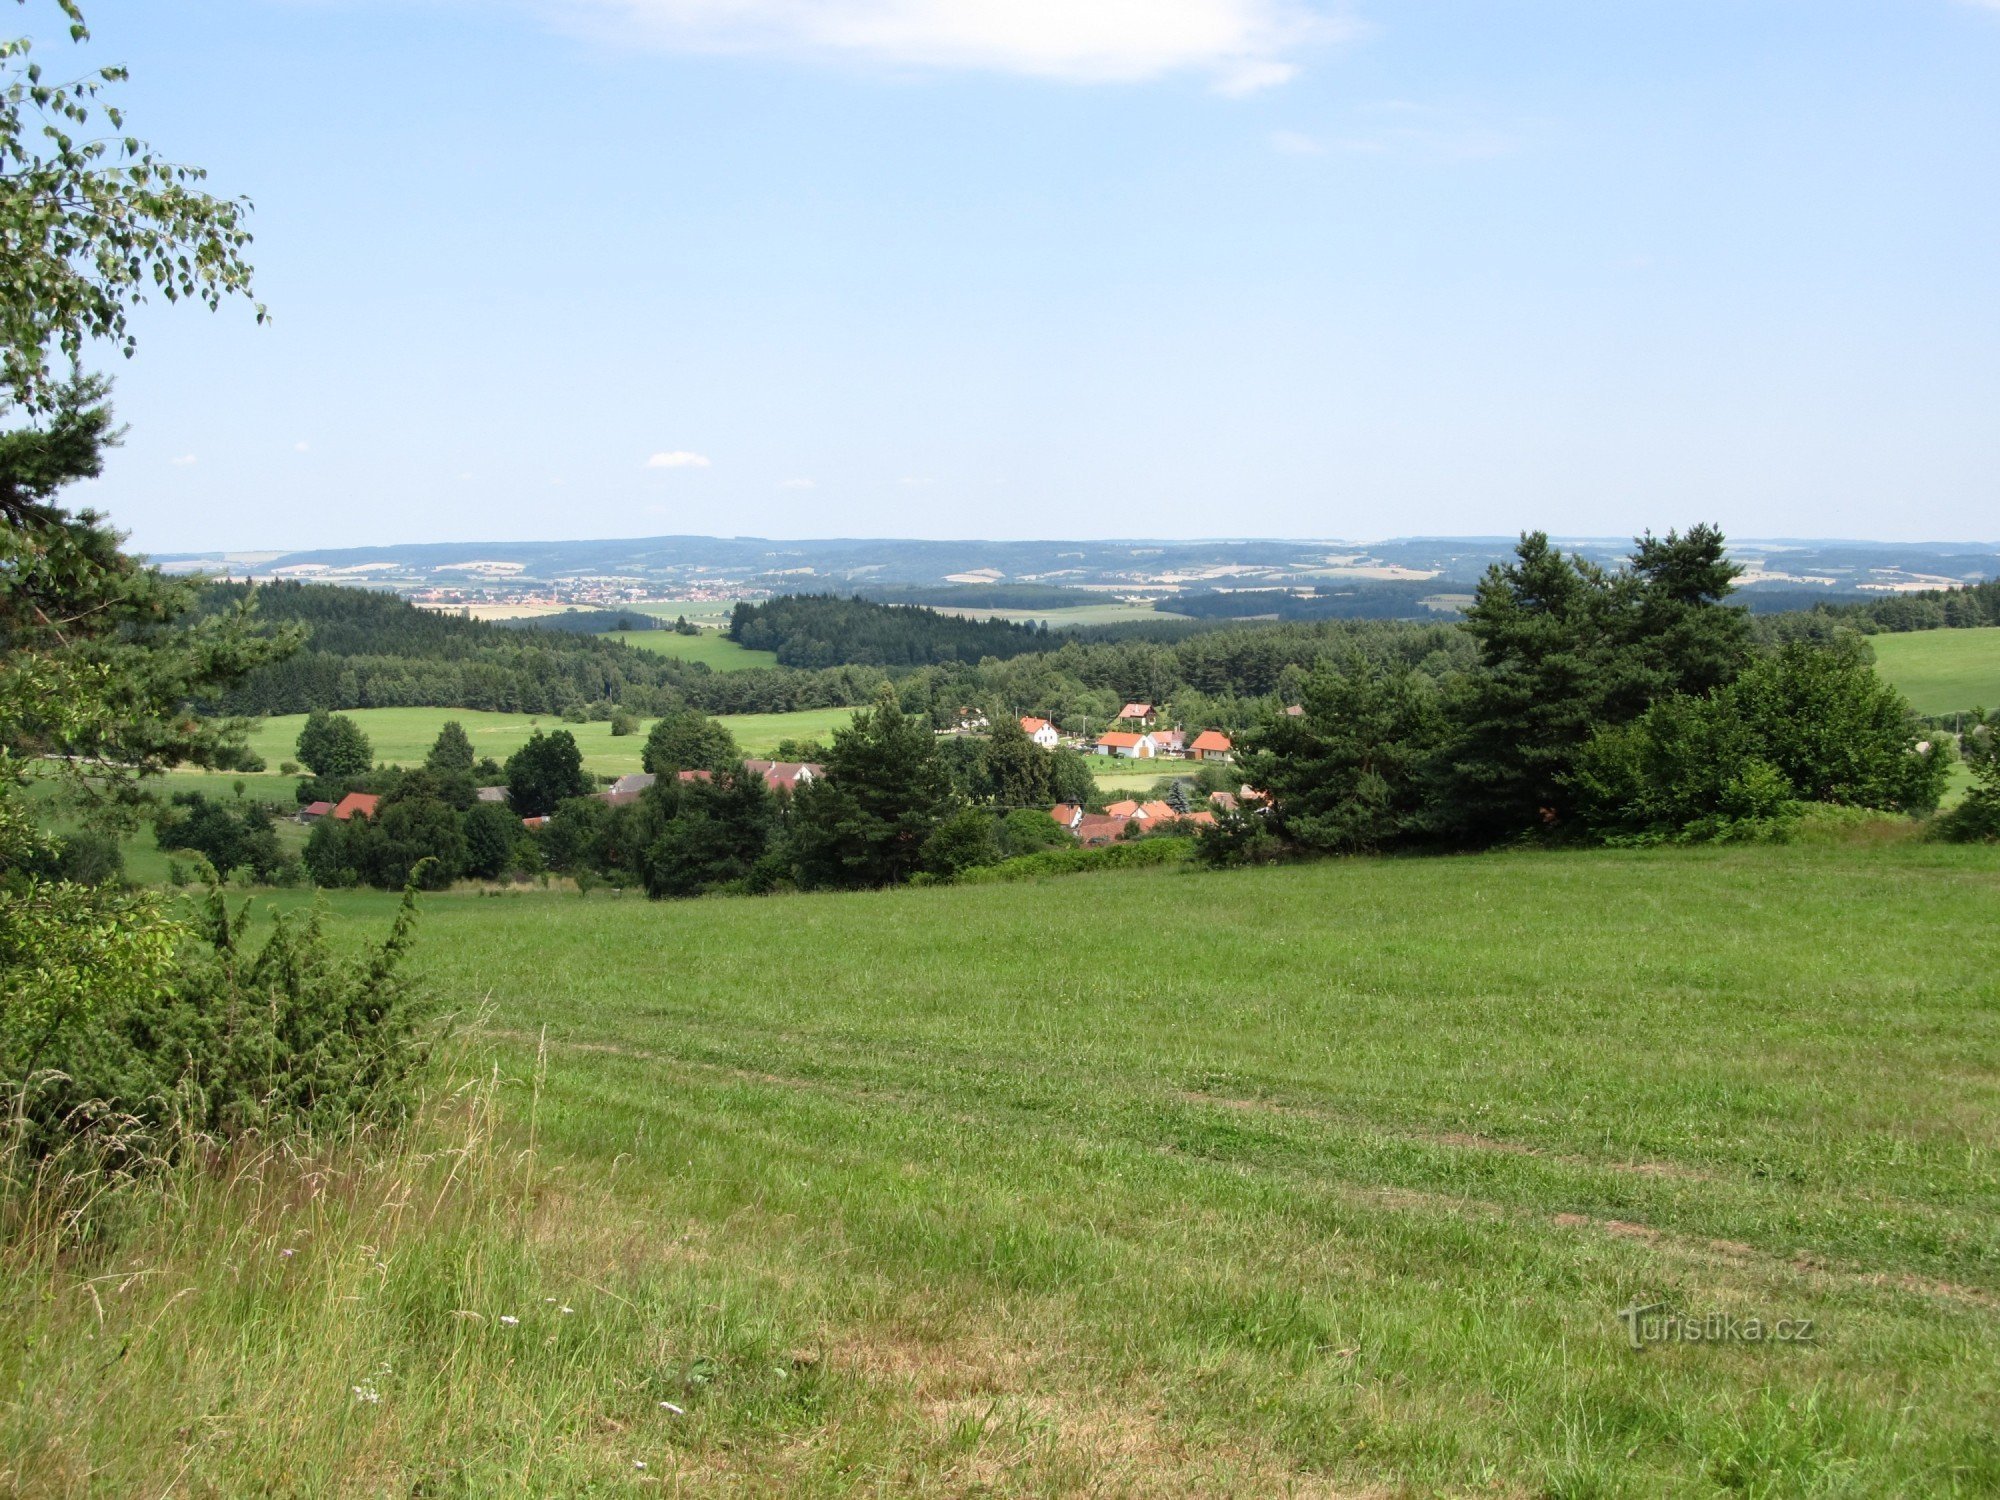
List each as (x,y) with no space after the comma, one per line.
(1070,268)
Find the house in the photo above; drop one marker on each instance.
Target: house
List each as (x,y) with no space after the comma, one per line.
(492,794)
(1098,828)
(971,718)
(627,788)
(1066,814)
(1171,742)
(1125,745)
(1222,801)
(1296,711)
(1136,713)
(694,775)
(1126,809)
(1211,744)
(1042,732)
(1156,814)
(785,775)
(313,811)
(541,822)
(355,804)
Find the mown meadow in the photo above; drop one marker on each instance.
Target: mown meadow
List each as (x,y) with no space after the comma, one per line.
(1323,1179)
(1942,671)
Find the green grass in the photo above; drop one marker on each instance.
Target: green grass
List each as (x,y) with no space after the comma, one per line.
(403,736)
(1942,671)
(717,651)
(1337,1191)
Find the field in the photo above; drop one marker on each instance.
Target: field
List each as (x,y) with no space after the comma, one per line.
(402,736)
(717,651)
(1112,613)
(1942,671)
(894,1193)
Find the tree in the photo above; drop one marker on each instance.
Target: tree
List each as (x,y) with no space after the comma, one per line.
(963,841)
(1348,775)
(415,836)
(866,821)
(228,837)
(490,830)
(623,724)
(451,751)
(687,740)
(544,773)
(94,221)
(1977,817)
(1020,771)
(1807,723)
(333,746)
(721,831)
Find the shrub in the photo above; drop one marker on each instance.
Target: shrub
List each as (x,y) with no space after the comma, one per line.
(213,1036)
(1075,861)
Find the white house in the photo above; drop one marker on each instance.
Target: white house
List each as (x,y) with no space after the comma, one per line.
(1042,732)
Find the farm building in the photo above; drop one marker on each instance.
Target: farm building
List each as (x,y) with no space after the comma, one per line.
(355,805)
(313,811)
(1211,744)
(1126,745)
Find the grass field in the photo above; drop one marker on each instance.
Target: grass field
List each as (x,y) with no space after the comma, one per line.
(1942,671)
(1113,613)
(403,736)
(907,1193)
(717,651)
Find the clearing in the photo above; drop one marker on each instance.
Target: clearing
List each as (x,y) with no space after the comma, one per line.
(1942,671)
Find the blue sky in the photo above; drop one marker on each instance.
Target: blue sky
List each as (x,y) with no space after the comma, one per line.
(1016,268)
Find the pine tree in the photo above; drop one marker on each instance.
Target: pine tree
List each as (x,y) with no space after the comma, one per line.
(885,791)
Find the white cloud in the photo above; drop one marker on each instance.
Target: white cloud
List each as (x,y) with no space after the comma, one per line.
(186,460)
(799,484)
(679,458)
(1241,45)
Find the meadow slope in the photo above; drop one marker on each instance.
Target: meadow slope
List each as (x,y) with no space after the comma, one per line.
(1322,1180)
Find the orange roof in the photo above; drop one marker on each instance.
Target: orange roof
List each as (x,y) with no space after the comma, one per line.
(1136,711)
(1066,813)
(1035,726)
(1210,739)
(356,802)
(1203,816)
(1158,812)
(318,809)
(1124,809)
(1118,739)
(1099,829)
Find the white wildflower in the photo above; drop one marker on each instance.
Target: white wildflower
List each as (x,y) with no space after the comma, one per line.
(678,1411)
(509,1319)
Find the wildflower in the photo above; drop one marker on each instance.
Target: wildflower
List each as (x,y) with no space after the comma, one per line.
(509,1319)
(367,1393)
(287,1253)
(678,1411)
(638,1463)
(566,1311)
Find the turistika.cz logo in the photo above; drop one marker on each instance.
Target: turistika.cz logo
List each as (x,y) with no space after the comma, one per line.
(1654,1324)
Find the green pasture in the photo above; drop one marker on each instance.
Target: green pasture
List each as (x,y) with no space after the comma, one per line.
(935,1192)
(1942,671)
(403,736)
(711,648)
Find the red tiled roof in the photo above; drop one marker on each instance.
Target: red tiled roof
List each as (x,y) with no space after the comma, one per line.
(356,802)
(1204,816)
(1296,711)
(1099,829)
(1125,809)
(317,809)
(1118,739)
(785,775)
(1210,739)
(1157,812)
(1136,711)
(1066,813)
(1224,800)
(694,775)
(1035,726)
